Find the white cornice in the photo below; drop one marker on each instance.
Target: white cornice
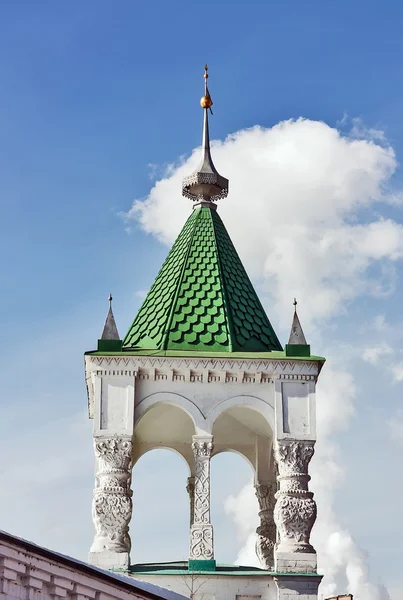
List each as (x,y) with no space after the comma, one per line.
(205,370)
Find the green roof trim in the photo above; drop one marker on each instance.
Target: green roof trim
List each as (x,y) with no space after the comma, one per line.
(109,345)
(201,566)
(297,350)
(205,354)
(202,298)
(182,568)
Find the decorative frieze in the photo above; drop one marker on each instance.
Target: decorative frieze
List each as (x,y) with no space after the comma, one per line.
(266,531)
(201,531)
(112,503)
(296,377)
(214,368)
(295,509)
(189,376)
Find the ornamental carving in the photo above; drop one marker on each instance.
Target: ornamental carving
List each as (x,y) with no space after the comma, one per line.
(202,450)
(116,366)
(112,502)
(266,531)
(295,518)
(295,509)
(115,453)
(201,542)
(293,457)
(201,534)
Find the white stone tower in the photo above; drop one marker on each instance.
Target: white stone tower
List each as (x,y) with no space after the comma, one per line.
(201,371)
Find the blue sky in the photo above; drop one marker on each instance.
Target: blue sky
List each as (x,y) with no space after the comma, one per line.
(97,98)
(92,94)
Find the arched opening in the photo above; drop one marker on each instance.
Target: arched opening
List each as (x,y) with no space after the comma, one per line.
(163,461)
(243,455)
(244,430)
(164,425)
(234,508)
(159,528)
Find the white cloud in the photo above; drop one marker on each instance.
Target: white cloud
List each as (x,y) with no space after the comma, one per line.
(379,356)
(373,354)
(243,508)
(340,559)
(395,425)
(296,190)
(397,371)
(395,592)
(295,213)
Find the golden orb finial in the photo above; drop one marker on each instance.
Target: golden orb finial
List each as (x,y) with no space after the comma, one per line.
(206,101)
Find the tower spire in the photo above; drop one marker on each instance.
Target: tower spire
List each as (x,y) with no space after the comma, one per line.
(296,334)
(110,331)
(205,185)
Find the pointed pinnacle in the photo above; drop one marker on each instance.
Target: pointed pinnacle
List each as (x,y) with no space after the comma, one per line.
(110,331)
(296,334)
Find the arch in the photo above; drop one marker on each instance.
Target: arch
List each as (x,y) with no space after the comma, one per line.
(165,425)
(253,402)
(160,523)
(178,452)
(232,478)
(238,452)
(174,399)
(244,430)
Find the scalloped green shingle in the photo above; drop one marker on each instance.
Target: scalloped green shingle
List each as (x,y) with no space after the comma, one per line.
(202,298)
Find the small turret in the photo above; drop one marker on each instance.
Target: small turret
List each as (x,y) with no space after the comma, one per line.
(110,340)
(297,344)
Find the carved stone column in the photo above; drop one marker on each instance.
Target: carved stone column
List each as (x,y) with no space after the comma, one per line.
(112,503)
(295,510)
(266,532)
(190,488)
(201,531)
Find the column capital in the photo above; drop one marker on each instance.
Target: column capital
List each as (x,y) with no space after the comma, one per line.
(202,446)
(293,456)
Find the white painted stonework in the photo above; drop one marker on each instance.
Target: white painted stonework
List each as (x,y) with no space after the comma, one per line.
(262,409)
(218,587)
(30,572)
(239,587)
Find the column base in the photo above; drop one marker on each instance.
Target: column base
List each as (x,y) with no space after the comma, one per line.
(295,562)
(195,565)
(305,587)
(201,542)
(107,559)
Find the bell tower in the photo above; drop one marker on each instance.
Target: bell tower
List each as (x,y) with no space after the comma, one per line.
(201,371)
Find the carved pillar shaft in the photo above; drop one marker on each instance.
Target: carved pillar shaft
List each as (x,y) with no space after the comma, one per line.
(201,531)
(112,503)
(295,510)
(190,488)
(266,532)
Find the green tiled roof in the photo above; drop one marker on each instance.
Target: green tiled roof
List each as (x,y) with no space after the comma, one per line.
(202,298)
